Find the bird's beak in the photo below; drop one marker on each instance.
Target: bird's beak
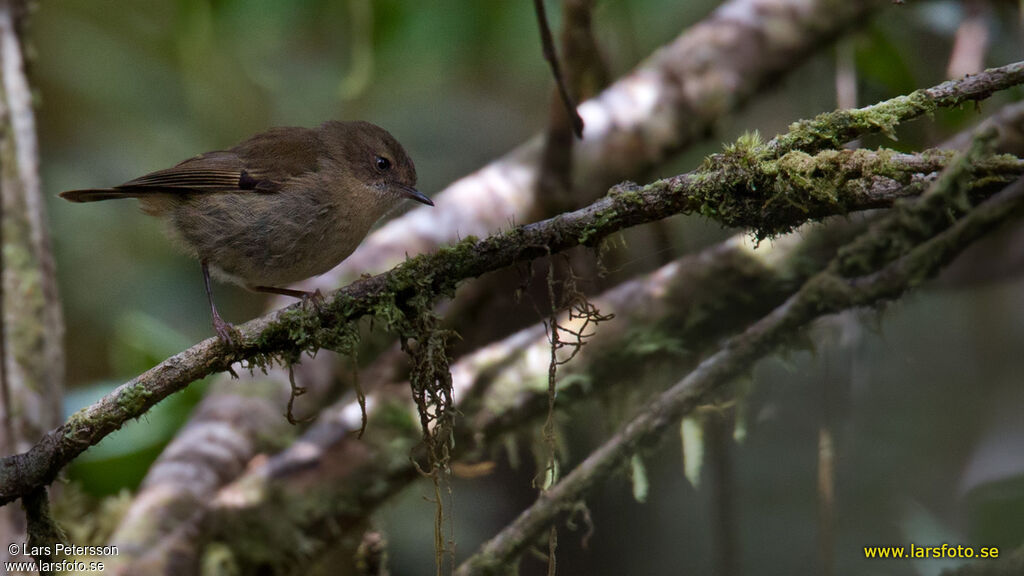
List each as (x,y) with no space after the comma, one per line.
(414,194)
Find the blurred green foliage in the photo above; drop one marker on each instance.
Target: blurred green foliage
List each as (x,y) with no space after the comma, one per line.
(121,459)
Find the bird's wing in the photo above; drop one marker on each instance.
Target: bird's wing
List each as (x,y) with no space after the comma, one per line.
(261,164)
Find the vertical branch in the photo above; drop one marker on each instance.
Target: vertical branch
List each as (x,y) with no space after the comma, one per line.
(33,354)
(827,473)
(372,555)
(33,357)
(556,70)
(586,71)
(826,500)
(846,75)
(584,74)
(971,42)
(718,427)
(43,532)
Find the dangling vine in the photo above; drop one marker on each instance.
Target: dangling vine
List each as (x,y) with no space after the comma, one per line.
(431,382)
(583,316)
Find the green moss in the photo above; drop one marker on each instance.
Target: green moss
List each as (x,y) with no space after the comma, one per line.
(914,222)
(747,186)
(827,292)
(600,223)
(748,147)
(833,129)
(627,194)
(134,399)
(27,335)
(384,309)
(76,423)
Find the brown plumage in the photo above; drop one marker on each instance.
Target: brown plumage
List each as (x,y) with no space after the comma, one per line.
(282,206)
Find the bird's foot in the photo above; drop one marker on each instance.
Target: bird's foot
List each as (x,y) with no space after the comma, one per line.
(226,333)
(315,298)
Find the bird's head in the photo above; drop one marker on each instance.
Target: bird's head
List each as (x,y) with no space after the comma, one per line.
(375,164)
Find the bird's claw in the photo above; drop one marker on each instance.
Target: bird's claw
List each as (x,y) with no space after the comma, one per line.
(225,331)
(315,298)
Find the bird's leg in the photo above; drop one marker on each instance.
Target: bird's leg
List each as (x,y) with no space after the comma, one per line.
(223,329)
(314,297)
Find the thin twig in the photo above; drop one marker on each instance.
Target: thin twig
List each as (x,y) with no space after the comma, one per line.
(833,129)
(581,60)
(552,57)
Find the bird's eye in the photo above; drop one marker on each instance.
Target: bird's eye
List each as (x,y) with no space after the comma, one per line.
(383,163)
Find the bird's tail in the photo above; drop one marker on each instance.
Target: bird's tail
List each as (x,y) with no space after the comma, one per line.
(97,194)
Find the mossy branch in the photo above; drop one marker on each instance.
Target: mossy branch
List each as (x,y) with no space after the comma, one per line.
(284,333)
(929,233)
(833,129)
(737,188)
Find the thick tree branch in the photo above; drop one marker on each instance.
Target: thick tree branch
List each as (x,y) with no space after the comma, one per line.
(851,280)
(32,332)
(33,328)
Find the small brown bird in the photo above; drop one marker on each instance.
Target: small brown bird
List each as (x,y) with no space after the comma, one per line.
(282,206)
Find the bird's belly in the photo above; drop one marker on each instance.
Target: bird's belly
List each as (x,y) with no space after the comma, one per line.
(279,260)
(262,248)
